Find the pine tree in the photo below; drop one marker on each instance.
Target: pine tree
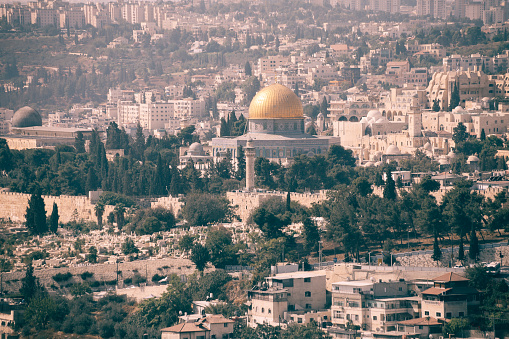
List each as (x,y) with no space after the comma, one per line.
(36,215)
(311,234)
(461,251)
(53,219)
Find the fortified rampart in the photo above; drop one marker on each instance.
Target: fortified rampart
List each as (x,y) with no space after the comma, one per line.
(173,204)
(246,202)
(489,192)
(13,206)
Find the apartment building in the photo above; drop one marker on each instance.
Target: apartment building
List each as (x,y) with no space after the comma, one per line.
(188,108)
(450,297)
(496,64)
(374,306)
(271,63)
(288,295)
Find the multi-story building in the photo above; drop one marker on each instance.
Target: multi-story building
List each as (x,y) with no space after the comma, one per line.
(434,49)
(472,85)
(5,118)
(475,122)
(155,115)
(401,100)
(374,306)
(450,297)
(188,108)
(496,64)
(287,294)
(351,110)
(271,63)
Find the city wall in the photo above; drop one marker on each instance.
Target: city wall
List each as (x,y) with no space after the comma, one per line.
(173,204)
(246,202)
(70,208)
(490,192)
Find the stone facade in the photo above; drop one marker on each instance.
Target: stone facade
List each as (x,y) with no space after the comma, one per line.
(13,206)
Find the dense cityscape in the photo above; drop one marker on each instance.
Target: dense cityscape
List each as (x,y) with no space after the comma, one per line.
(254,169)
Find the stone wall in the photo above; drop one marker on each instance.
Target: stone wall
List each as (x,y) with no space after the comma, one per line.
(13,206)
(104,272)
(171,203)
(246,202)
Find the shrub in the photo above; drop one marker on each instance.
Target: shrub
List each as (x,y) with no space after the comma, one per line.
(138,279)
(95,284)
(85,275)
(128,281)
(110,282)
(157,277)
(60,277)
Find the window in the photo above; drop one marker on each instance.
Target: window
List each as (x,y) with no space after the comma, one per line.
(421,327)
(448,315)
(263,310)
(356,317)
(200,337)
(426,312)
(226,324)
(461,314)
(438,314)
(308,306)
(225,336)
(307,294)
(299,320)
(307,279)
(268,311)
(375,317)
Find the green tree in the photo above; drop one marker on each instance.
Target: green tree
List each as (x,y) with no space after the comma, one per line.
(53,219)
(460,133)
(92,254)
(220,246)
(483,135)
(79,143)
(311,234)
(456,326)
(473,251)
(30,285)
(390,187)
(40,312)
(436,105)
(99,211)
(200,256)
(128,247)
(186,242)
(324,107)
(437,253)
(247,69)
(36,215)
(455,97)
(5,156)
(203,209)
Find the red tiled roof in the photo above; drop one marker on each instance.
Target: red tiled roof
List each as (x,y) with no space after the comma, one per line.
(450,277)
(184,328)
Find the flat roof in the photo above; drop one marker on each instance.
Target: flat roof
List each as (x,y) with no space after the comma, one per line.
(53,129)
(299,274)
(355,283)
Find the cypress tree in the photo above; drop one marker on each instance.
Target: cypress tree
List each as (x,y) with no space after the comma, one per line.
(36,215)
(483,135)
(473,252)
(79,143)
(390,187)
(437,253)
(53,219)
(455,97)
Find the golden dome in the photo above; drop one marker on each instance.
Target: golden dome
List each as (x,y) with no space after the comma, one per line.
(276,102)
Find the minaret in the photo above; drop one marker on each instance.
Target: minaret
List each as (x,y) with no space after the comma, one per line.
(414,122)
(249,151)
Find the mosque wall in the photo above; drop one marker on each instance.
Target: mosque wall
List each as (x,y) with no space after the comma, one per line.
(13,206)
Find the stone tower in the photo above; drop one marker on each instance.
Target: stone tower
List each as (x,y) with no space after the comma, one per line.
(415,122)
(250,158)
